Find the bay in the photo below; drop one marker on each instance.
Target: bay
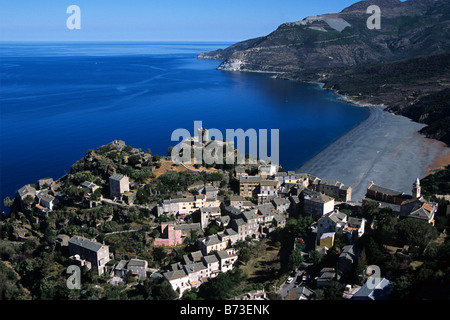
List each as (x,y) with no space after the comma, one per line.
(58,100)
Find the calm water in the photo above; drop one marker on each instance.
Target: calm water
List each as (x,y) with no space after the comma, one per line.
(59,100)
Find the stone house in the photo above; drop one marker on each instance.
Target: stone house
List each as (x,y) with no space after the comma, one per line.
(268,190)
(96,253)
(211,243)
(209,214)
(316,204)
(25,191)
(281,204)
(137,267)
(118,185)
(249,186)
(333,188)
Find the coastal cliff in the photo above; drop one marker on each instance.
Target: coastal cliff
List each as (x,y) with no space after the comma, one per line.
(403,65)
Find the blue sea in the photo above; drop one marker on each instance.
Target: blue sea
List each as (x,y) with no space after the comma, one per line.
(58,100)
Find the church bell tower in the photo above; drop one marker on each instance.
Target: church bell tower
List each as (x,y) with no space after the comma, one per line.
(416,192)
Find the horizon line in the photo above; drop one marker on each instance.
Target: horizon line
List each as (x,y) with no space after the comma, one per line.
(153,41)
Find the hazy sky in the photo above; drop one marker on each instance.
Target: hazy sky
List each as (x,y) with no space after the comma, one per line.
(155,20)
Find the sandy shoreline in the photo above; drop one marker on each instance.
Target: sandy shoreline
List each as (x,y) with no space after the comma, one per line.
(385,148)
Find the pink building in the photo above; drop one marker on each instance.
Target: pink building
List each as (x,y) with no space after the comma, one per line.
(169,236)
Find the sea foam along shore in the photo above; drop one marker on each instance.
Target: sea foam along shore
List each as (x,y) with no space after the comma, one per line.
(385,148)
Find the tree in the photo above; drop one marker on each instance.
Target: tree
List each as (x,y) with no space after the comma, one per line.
(370,209)
(222,287)
(274,296)
(191,239)
(8,202)
(401,288)
(295,259)
(29,200)
(244,255)
(416,232)
(159,254)
(334,291)
(315,257)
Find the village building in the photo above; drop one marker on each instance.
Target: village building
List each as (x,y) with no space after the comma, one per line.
(267,191)
(241,228)
(45,183)
(236,201)
(296,179)
(379,291)
(300,293)
(316,204)
(279,177)
(95,253)
(90,185)
(192,257)
(238,171)
(413,206)
(325,242)
(232,235)
(252,295)
(354,228)
(209,214)
(210,192)
(46,202)
(227,259)
(332,222)
(333,188)
(179,280)
(281,204)
(118,185)
(187,228)
(386,195)
(197,272)
(211,243)
(267,170)
(136,267)
(249,186)
(295,207)
(212,265)
(325,277)
(25,191)
(186,205)
(170,235)
(347,259)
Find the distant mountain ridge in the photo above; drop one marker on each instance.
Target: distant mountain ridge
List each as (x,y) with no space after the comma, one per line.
(408,29)
(335,48)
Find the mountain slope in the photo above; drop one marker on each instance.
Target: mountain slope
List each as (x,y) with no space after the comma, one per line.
(408,29)
(399,65)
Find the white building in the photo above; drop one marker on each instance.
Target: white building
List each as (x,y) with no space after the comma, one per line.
(227,259)
(186,205)
(332,222)
(179,280)
(267,170)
